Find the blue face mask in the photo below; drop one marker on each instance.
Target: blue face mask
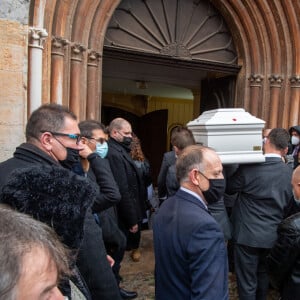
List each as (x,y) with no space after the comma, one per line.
(102,149)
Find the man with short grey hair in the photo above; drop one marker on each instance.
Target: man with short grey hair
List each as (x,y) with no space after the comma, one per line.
(190,251)
(32,259)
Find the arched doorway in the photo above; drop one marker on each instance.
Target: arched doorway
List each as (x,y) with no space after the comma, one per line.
(265,36)
(180,43)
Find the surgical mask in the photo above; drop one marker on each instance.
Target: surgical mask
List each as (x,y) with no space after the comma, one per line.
(294,140)
(215,191)
(72,158)
(102,149)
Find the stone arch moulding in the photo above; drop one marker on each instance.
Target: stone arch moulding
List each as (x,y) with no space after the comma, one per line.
(265,34)
(183,29)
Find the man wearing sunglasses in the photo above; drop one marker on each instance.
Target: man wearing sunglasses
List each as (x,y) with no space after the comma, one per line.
(53,138)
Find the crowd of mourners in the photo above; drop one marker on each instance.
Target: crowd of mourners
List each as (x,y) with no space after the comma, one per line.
(76,195)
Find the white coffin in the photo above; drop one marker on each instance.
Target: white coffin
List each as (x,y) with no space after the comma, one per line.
(235,134)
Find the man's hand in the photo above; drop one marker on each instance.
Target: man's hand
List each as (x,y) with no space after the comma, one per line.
(134,228)
(110,260)
(86,151)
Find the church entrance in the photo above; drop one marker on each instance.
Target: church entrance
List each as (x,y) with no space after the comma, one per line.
(175,58)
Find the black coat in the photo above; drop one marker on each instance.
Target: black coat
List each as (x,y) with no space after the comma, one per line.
(169,159)
(30,182)
(25,155)
(100,172)
(105,205)
(264,195)
(283,262)
(130,211)
(92,255)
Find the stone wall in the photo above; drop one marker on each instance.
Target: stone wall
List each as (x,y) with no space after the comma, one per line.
(15,10)
(13,84)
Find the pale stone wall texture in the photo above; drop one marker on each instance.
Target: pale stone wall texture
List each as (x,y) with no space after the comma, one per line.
(15,10)
(13,85)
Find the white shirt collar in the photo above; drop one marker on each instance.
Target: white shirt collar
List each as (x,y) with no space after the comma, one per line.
(272,155)
(195,195)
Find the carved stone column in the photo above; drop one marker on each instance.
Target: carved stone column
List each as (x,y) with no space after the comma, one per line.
(93,85)
(275,86)
(37,38)
(295,100)
(255,89)
(75,80)
(57,68)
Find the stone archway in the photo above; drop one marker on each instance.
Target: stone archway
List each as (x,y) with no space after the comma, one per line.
(191,30)
(266,36)
(169,42)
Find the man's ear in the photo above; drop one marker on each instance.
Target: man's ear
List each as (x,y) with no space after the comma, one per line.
(46,140)
(285,151)
(193,176)
(176,150)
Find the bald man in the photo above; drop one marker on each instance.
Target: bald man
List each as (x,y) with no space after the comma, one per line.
(130,209)
(190,252)
(283,262)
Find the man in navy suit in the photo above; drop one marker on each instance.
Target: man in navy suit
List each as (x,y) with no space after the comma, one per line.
(190,252)
(264,197)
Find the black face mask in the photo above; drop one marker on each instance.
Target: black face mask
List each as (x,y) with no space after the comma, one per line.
(215,191)
(72,158)
(127,141)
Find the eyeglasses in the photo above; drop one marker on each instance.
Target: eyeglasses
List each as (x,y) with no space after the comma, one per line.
(73,136)
(100,140)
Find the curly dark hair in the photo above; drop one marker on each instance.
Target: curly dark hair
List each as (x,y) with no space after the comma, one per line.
(136,152)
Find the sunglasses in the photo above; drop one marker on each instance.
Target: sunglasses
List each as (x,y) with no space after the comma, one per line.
(73,136)
(100,140)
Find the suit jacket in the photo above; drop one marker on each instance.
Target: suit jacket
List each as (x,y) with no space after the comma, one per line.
(130,209)
(264,194)
(169,159)
(190,253)
(100,172)
(217,209)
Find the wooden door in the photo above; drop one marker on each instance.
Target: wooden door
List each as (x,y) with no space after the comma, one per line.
(152,131)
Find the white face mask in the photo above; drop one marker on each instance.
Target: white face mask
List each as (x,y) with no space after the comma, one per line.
(294,140)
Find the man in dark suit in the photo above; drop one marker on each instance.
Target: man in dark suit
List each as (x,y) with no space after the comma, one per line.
(283,261)
(167,185)
(169,160)
(190,252)
(130,209)
(264,195)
